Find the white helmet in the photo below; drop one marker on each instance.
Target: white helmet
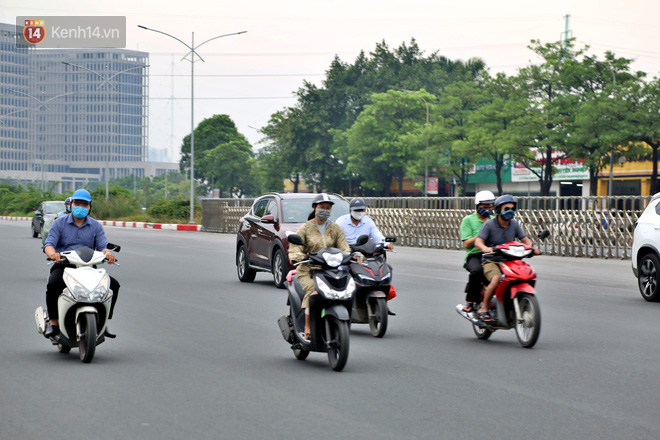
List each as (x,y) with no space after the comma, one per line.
(484,198)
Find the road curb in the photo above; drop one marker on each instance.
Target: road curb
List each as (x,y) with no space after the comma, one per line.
(118,224)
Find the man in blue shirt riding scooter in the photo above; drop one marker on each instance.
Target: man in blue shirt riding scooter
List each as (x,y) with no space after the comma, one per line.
(69,233)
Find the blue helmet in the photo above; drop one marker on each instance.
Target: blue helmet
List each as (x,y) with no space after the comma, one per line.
(82,194)
(502,200)
(67,201)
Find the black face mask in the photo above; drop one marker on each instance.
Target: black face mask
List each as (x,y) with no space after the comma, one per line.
(485,212)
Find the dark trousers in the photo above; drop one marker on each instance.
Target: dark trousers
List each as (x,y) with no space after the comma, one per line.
(476,278)
(56,285)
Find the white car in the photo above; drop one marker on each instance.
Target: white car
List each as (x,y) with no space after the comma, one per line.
(646,251)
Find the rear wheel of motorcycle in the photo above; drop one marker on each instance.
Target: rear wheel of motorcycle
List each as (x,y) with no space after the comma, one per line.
(88,337)
(64,349)
(529,329)
(338,343)
(279,268)
(377,317)
(245,274)
(481,332)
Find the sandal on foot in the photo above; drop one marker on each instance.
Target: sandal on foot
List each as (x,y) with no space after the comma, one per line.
(468,307)
(485,318)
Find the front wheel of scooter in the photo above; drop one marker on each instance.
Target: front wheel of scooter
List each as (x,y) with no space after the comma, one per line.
(529,328)
(377,317)
(88,337)
(338,342)
(300,354)
(481,332)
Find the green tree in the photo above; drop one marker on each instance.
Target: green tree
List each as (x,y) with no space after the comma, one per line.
(641,101)
(384,141)
(450,149)
(542,129)
(229,168)
(309,128)
(218,131)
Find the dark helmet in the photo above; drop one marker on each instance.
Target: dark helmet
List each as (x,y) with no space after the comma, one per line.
(502,200)
(322,198)
(357,204)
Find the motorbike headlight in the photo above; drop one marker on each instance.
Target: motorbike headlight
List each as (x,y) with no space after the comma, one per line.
(332,260)
(76,290)
(517,251)
(350,288)
(329,292)
(100,293)
(324,288)
(79,293)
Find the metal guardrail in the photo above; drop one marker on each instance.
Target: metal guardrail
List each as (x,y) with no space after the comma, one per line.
(578,226)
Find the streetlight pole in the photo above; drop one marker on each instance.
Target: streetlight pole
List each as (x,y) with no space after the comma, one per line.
(426,151)
(192,51)
(105,80)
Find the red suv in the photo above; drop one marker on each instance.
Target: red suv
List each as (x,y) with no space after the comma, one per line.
(262,244)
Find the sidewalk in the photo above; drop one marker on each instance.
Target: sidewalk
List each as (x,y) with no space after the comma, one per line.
(143,225)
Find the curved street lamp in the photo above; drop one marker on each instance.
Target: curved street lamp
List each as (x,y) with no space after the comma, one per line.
(192,52)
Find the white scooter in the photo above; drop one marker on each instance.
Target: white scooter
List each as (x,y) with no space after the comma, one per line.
(84,305)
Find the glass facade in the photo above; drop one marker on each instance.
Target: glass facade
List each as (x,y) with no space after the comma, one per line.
(71,115)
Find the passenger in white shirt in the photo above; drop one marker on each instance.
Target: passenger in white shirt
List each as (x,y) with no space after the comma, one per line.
(358,223)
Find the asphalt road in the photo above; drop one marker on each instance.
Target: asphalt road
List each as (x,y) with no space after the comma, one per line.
(199,355)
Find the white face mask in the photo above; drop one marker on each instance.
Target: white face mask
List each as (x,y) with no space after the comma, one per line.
(358,215)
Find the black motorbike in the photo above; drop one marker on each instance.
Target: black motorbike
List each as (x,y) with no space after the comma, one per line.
(373,278)
(329,307)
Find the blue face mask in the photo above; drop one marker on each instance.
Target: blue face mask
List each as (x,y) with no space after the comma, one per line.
(508,215)
(80,212)
(485,212)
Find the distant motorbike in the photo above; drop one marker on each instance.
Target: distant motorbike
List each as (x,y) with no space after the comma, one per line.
(84,305)
(329,308)
(373,278)
(514,304)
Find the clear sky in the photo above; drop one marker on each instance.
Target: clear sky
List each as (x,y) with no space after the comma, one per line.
(251,76)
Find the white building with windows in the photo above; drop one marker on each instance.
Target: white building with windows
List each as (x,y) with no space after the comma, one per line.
(69,117)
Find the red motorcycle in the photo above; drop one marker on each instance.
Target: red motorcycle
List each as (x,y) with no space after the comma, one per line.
(514,304)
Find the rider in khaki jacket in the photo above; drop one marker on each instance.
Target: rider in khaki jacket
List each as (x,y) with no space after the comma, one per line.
(318,233)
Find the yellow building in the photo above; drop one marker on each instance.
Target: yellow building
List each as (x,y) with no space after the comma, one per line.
(630,178)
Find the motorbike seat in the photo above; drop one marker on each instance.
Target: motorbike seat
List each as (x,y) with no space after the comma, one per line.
(299,289)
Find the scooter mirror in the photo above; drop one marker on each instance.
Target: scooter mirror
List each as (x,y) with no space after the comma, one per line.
(362,239)
(114,247)
(390,239)
(544,234)
(296,239)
